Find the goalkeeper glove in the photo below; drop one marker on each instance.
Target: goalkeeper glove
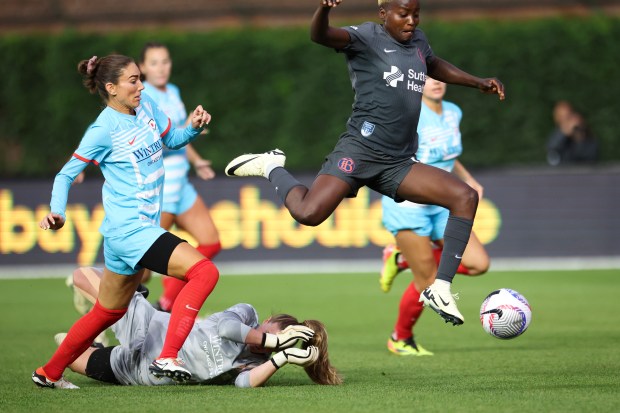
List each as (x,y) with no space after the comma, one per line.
(287,337)
(298,356)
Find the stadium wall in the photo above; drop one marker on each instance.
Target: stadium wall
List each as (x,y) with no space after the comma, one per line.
(527,216)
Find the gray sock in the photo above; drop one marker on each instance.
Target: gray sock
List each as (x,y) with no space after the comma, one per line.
(455,239)
(283,181)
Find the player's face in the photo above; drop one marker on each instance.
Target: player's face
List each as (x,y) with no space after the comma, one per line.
(400,18)
(434,90)
(125,95)
(157,66)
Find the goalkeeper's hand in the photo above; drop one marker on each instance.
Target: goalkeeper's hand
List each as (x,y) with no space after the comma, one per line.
(298,356)
(287,337)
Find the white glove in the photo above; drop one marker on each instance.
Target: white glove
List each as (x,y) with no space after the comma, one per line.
(298,356)
(287,337)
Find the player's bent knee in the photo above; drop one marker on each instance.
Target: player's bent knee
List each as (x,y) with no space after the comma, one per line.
(480,267)
(310,218)
(204,269)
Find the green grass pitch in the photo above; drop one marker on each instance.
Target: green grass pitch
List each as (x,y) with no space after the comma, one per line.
(567,361)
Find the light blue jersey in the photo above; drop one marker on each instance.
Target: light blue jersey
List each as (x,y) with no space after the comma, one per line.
(439,138)
(128,149)
(179,194)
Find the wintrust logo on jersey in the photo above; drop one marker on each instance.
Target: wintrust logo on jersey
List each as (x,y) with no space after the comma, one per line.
(148,151)
(415,80)
(215,358)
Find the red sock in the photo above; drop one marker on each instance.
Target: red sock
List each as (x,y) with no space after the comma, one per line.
(210,250)
(201,280)
(408,312)
(173,286)
(80,337)
(460,270)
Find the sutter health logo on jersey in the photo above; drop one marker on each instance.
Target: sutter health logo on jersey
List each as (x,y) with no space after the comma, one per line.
(395,75)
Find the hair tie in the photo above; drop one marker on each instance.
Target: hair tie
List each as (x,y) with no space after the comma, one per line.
(90,66)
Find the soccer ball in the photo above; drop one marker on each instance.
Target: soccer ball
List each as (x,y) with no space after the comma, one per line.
(505,314)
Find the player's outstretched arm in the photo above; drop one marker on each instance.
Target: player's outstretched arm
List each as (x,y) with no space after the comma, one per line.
(446,72)
(320,30)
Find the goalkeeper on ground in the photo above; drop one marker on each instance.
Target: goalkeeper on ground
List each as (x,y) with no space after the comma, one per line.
(225,348)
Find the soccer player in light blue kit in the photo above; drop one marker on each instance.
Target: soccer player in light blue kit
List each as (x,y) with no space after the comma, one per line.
(419,228)
(126,142)
(182,205)
(228,347)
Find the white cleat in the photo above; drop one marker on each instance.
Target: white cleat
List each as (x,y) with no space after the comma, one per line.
(59,338)
(439,298)
(42,381)
(254,164)
(171,368)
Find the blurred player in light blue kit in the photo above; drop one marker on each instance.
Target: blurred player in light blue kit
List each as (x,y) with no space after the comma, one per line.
(182,205)
(419,228)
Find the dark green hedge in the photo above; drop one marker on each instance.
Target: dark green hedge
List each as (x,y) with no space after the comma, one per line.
(275,88)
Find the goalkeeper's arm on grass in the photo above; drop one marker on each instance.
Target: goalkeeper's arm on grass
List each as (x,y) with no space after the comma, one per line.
(278,336)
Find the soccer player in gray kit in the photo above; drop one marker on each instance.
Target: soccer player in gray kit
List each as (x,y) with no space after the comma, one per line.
(228,347)
(388,64)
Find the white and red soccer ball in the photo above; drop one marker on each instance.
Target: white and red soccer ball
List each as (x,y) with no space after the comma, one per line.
(505,314)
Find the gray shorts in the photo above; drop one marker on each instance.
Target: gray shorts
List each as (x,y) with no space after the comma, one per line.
(360,165)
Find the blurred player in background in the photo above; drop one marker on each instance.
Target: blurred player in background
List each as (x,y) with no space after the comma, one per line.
(388,65)
(229,347)
(182,205)
(126,142)
(419,228)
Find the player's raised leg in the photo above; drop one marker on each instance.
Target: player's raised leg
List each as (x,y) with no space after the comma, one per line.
(201,276)
(308,206)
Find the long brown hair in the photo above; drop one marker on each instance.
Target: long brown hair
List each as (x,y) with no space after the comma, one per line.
(321,371)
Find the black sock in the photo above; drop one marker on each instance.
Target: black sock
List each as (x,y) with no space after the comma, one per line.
(283,181)
(455,239)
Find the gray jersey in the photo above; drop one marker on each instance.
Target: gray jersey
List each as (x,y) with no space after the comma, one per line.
(387,78)
(214,351)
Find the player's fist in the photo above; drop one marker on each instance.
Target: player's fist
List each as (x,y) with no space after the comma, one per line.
(52,221)
(330,3)
(297,356)
(200,117)
(287,337)
(493,86)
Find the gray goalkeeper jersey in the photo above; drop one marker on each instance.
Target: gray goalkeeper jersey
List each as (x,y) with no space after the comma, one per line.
(387,78)
(214,351)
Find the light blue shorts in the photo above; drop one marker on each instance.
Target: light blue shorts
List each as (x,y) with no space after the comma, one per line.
(179,198)
(424,220)
(122,253)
